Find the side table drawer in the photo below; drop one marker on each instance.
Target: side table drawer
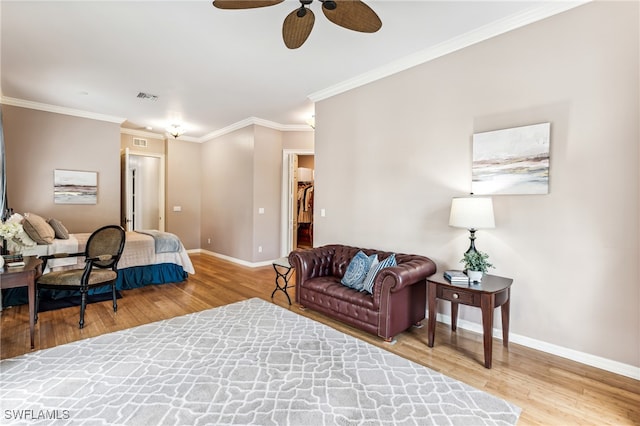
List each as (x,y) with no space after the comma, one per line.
(458,296)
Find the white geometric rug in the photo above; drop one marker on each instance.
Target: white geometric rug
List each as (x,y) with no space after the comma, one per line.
(249,363)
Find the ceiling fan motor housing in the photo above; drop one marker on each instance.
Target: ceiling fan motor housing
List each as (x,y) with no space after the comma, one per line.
(328,4)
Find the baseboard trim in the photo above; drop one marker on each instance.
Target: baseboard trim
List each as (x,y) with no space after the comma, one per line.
(571,354)
(616,367)
(233,259)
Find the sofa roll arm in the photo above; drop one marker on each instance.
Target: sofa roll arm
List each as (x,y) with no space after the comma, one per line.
(312,263)
(409,272)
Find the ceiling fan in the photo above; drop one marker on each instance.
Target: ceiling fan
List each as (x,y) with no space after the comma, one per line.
(351,14)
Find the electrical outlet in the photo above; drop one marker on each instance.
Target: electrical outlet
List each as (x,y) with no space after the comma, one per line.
(208,240)
(259,249)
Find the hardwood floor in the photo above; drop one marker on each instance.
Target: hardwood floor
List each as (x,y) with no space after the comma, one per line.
(550,390)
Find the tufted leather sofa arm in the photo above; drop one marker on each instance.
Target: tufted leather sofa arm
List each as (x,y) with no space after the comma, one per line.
(312,263)
(411,269)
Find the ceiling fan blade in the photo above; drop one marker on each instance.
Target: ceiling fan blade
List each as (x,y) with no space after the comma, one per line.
(297,26)
(244,4)
(352,14)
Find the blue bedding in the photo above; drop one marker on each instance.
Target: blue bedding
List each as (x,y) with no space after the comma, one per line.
(128,278)
(165,242)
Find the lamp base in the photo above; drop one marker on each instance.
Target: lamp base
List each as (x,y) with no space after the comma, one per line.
(472,237)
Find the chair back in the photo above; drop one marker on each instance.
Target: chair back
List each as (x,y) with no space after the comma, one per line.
(108,240)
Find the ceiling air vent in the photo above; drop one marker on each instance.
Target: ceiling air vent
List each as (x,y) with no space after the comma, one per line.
(142,95)
(142,143)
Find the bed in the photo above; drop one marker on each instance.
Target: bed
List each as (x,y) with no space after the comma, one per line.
(149,257)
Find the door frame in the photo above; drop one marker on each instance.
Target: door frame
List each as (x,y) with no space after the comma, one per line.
(125,184)
(288,197)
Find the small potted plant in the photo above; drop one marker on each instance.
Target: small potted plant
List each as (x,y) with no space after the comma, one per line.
(476,263)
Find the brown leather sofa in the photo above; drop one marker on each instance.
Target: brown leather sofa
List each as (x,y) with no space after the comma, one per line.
(399,292)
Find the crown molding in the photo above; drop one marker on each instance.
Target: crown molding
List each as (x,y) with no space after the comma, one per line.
(250,121)
(61,110)
(142,133)
(102,117)
(486,32)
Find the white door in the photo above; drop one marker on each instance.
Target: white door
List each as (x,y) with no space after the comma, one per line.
(143,181)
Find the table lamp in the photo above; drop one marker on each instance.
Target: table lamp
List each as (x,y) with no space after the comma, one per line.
(472,213)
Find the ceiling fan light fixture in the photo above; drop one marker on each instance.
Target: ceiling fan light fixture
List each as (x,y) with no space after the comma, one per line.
(350,14)
(175,130)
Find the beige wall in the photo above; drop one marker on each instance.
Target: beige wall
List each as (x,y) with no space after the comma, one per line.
(184,189)
(182,183)
(267,176)
(219,185)
(227,194)
(38,142)
(155,145)
(242,173)
(298,140)
(387,170)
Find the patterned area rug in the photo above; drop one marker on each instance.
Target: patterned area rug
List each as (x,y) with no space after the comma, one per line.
(250,362)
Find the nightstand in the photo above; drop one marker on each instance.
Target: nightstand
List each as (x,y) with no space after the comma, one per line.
(24,276)
(492,292)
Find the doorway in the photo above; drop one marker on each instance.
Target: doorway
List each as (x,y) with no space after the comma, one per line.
(297,200)
(304,201)
(142,191)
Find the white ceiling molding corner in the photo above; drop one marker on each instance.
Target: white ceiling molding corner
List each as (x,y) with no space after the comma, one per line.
(141,133)
(486,32)
(61,110)
(183,138)
(255,121)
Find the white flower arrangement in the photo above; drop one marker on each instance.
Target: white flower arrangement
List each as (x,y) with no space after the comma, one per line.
(9,230)
(13,232)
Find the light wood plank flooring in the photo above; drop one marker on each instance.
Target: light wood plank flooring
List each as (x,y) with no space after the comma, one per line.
(550,390)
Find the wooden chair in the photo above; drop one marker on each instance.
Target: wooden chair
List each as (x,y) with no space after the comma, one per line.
(102,253)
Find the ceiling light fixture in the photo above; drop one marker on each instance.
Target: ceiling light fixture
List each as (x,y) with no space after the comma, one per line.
(311,121)
(175,130)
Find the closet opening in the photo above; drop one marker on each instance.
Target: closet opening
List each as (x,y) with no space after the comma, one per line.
(297,195)
(304,204)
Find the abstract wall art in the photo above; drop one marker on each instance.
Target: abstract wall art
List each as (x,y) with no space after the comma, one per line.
(512,161)
(75,187)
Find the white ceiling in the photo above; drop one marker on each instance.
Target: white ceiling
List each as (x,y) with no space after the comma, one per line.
(215,69)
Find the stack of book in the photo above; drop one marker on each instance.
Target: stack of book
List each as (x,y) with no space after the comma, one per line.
(13,260)
(456,277)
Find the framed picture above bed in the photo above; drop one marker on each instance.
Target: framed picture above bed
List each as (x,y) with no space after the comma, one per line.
(75,187)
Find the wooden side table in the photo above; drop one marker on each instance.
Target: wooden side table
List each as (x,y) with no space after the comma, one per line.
(24,276)
(492,292)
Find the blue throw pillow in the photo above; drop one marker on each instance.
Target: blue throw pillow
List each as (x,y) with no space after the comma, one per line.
(356,271)
(367,285)
(373,259)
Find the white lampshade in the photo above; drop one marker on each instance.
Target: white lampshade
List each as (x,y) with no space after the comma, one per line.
(472,213)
